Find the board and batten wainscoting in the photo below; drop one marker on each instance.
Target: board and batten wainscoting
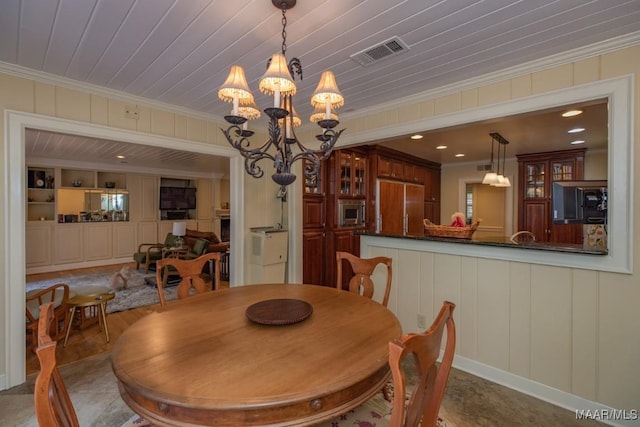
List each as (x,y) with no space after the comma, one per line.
(532,327)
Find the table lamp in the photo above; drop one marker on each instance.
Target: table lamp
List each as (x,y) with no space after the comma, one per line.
(179,230)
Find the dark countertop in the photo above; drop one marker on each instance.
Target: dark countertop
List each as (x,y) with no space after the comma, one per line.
(502,242)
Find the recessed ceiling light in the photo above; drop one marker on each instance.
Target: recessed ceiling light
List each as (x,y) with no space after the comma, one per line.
(120,157)
(417,136)
(575,130)
(441,147)
(577,141)
(460,155)
(571,113)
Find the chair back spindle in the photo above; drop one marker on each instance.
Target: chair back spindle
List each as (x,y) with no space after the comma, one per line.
(361,282)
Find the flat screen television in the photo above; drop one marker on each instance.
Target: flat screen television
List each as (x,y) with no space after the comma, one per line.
(579,202)
(177,198)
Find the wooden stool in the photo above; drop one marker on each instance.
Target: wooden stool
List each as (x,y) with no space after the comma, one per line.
(97,302)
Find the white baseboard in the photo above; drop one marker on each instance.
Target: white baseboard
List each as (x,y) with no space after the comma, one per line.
(540,391)
(3,382)
(75,265)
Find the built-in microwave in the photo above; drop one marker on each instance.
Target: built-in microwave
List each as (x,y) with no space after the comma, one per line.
(350,212)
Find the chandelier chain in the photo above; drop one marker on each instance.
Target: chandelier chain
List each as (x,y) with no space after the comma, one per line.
(284,31)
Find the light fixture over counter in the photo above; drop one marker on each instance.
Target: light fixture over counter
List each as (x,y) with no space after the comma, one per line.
(279,82)
(495,178)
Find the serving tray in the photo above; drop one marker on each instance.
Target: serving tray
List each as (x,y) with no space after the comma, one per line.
(279,311)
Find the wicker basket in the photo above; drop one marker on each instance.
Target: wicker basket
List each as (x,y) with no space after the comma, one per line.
(434,230)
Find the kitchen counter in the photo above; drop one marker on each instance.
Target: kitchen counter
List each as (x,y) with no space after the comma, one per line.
(502,242)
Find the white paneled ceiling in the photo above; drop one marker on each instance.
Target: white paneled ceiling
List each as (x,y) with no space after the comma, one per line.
(179,51)
(43,146)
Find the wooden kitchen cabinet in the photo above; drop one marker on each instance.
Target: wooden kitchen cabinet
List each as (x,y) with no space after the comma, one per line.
(432,185)
(390,168)
(313,212)
(401,208)
(432,194)
(313,253)
(343,240)
(391,207)
(414,209)
(413,173)
(352,171)
(537,173)
(313,228)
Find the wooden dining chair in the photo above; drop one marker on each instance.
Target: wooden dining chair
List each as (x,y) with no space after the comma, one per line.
(57,294)
(424,404)
(361,282)
(190,271)
(52,402)
(417,388)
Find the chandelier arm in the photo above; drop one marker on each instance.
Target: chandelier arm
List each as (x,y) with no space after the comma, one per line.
(242,142)
(322,153)
(251,156)
(295,67)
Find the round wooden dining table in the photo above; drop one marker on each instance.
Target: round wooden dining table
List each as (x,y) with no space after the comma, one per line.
(202,361)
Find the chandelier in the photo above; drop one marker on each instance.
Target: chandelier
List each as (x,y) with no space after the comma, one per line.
(282,141)
(495,178)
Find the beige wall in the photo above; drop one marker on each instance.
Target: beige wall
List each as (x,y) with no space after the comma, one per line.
(489,209)
(570,329)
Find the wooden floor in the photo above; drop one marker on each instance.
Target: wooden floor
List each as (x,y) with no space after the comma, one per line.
(90,341)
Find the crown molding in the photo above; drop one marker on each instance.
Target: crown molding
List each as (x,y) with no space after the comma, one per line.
(42,77)
(585,52)
(589,51)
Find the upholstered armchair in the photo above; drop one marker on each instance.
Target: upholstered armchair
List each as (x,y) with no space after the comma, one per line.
(149,253)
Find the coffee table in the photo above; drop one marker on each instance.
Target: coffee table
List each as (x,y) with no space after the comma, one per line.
(85,301)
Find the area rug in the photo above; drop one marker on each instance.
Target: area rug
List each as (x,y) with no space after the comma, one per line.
(137,294)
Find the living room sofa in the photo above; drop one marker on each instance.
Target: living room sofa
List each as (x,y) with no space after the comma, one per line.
(215,245)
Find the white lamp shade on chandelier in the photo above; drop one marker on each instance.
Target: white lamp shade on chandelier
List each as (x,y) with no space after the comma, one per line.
(277,78)
(327,94)
(235,89)
(319,113)
(249,111)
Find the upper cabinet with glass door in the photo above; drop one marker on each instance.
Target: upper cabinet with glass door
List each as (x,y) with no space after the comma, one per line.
(534,180)
(541,170)
(352,174)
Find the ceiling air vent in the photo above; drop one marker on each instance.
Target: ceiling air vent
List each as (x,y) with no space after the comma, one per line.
(372,54)
(482,168)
